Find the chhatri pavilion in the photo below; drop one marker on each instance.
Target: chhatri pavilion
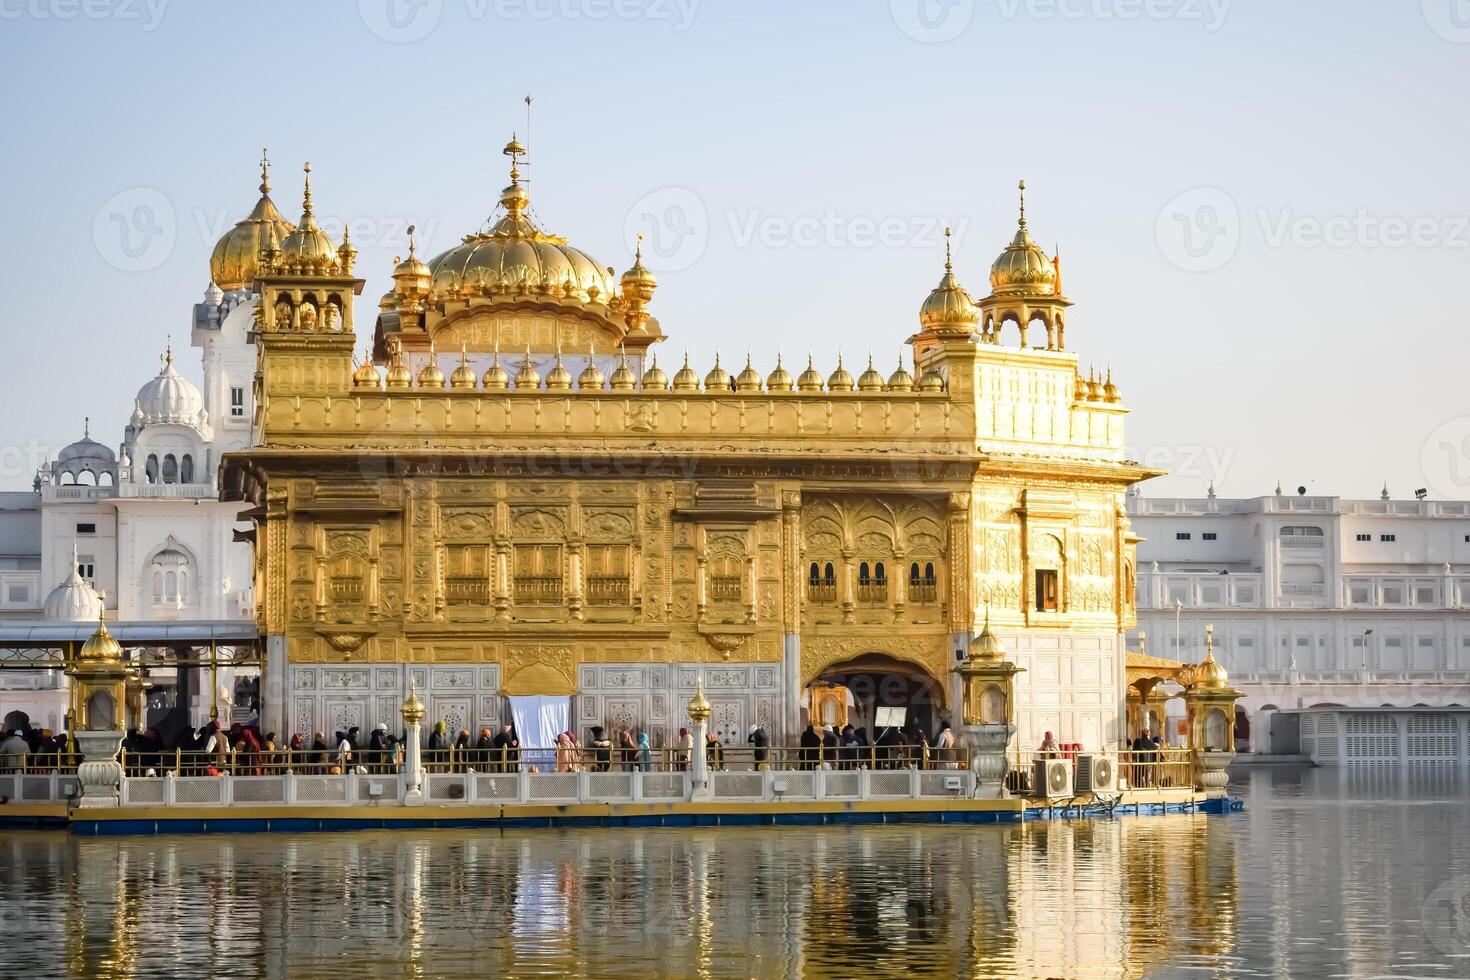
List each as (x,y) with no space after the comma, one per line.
(514,506)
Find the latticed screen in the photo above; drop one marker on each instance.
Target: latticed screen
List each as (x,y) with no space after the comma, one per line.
(538,578)
(467,574)
(608,579)
(726,580)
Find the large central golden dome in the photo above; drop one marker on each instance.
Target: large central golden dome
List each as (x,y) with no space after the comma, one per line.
(516,257)
(232,264)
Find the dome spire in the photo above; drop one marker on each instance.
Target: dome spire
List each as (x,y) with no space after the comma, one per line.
(1023,204)
(265,172)
(306,195)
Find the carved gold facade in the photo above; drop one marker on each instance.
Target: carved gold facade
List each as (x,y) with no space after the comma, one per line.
(519,518)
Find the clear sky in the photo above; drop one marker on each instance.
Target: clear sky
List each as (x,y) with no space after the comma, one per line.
(1261,205)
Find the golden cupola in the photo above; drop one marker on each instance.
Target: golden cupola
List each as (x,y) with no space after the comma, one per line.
(430,376)
(411,276)
(495,377)
(528,377)
(366,375)
(464,377)
(558,378)
(591,378)
(654,378)
(780,378)
(949,311)
(900,379)
(307,250)
(718,378)
(623,378)
(638,287)
(809,380)
(685,379)
(233,263)
(749,379)
(398,375)
(870,380)
(516,259)
(840,379)
(1023,268)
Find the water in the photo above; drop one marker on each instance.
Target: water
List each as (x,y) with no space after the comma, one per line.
(1323,875)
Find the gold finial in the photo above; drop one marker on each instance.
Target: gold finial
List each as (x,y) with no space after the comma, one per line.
(265,171)
(306,195)
(1023,204)
(413,708)
(1209,641)
(948,264)
(168,354)
(515,151)
(699,706)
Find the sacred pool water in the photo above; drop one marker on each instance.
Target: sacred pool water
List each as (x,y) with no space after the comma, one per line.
(1324,874)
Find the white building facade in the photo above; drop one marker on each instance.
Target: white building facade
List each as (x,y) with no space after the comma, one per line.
(1315,602)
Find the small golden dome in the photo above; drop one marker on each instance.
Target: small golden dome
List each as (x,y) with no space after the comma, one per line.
(901,380)
(1079,388)
(527,377)
(558,378)
(591,378)
(623,378)
(100,646)
(1094,390)
(430,376)
(699,706)
(870,380)
(809,380)
(986,646)
(718,378)
(949,309)
(495,377)
(840,379)
(411,276)
(307,248)
(234,261)
(1208,674)
(398,373)
(931,380)
(654,378)
(389,301)
(685,379)
(366,376)
(638,283)
(1023,267)
(1110,390)
(749,379)
(413,708)
(780,378)
(464,376)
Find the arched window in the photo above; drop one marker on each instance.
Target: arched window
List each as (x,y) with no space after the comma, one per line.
(170,469)
(170,586)
(829,576)
(186,471)
(68,479)
(821,585)
(105,479)
(921,583)
(150,468)
(880,576)
(157,586)
(864,576)
(87,478)
(872,585)
(170,575)
(816,575)
(914,574)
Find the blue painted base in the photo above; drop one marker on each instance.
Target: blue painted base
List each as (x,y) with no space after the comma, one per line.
(299,825)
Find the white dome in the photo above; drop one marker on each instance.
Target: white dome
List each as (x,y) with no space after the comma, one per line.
(73,601)
(170,398)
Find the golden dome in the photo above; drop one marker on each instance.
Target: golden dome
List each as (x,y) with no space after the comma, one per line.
(1079,388)
(398,373)
(840,379)
(901,380)
(931,380)
(623,378)
(749,379)
(718,378)
(495,377)
(780,378)
(699,706)
(685,379)
(413,708)
(986,646)
(366,376)
(949,308)
(515,257)
(870,380)
(411,276)
(464,376)
(101,646)
(638,283)
(1110,390)
(430,376)
(809,379)
(307,248)
(1094,390)
(1023,267)
(591,378)
(527,376)
(233,263)
(389,301)
(654,378)
(558,378)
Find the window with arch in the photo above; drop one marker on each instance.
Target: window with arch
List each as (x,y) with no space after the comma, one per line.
(923,587)
(87,478)
(821,583)
(170,574)
(872,582)
(68,478)
(150,468)
(105,479)
(727,579)
(170,469)
(186,469)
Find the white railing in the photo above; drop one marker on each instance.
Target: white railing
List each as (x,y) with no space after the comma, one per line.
(182,491)
(74,492)
(40,787)
(524,787)
(1315,590)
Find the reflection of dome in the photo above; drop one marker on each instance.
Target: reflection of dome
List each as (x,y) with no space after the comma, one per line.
(169,398)
(516,257)
(232,265)
(1023,267)
(73,601)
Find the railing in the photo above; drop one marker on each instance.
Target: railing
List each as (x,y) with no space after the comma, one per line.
(611,758)
(467,591)
(1157,768)
(923,592)
(540,590)
(42,763)
(874,592)
(725,588)
(608,590)
(1311,589)
(1301,540)
(821,592)
(244,762)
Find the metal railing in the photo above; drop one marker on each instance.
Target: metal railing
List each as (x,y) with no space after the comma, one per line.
(246,762)
(616,758)
(42,763)
(1157,768)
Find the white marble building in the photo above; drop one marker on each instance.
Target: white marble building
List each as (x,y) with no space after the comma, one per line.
(1315,600)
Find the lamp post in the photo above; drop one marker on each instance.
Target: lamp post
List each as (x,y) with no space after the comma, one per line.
(988,714)
(413,770)
(699,712)
(100,676)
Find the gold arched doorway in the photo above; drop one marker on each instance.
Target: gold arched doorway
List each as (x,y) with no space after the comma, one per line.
(881,680)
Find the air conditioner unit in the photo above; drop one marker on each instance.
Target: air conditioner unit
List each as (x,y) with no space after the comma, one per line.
(1096,774)
(1052,778)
